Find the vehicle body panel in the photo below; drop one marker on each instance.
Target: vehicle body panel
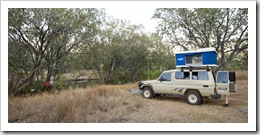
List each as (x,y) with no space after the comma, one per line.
(177,86)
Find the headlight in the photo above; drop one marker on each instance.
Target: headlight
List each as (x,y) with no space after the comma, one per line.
(140,84)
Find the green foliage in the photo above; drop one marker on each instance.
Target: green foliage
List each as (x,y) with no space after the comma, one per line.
(225,29)
(121,46)
(61,84)
(42,38)
(239,63)
(154,74)
(122,77)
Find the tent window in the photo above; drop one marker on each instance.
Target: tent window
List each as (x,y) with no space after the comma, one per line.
(194,59)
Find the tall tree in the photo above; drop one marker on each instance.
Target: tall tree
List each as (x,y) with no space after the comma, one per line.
(115,48)
(161,54)
(224,29)
(44,36)
(137,56)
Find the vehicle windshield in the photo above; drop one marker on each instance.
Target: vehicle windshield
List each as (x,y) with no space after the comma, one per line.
(165,77)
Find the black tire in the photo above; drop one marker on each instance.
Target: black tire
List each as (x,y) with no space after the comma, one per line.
(193,98)
(147,93)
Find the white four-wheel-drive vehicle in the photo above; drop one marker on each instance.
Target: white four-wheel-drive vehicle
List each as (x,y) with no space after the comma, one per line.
(194,84)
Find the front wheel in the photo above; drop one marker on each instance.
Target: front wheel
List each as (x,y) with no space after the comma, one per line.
(193,98)
(147,93)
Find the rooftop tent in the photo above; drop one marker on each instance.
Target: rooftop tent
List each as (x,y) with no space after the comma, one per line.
(198,58)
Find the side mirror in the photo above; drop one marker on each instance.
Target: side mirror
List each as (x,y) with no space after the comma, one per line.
(160,79)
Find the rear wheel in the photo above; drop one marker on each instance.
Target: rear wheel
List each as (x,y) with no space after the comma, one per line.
(147,93)
(193,98)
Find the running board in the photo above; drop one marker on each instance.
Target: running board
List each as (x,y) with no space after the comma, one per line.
(215,96)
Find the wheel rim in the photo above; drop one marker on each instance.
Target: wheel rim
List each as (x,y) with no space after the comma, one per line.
(146,93)
(193,98)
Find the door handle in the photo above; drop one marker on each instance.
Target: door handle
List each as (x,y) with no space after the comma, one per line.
(205,86)
(222,88)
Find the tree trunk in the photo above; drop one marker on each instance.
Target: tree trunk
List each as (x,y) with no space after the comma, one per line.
(134,76)
(49,72)
(22,83)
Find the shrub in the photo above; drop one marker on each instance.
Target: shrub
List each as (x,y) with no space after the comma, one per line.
(61,83)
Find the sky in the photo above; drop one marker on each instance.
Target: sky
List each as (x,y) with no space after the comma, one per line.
(135,16)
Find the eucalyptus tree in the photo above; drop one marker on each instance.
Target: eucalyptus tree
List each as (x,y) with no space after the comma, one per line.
(44,36)
(161,53)
(137,56)
(116,48)
(225,29)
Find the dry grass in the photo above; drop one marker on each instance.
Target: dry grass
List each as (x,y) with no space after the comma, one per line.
(242,75)
(113,104)
(105,103)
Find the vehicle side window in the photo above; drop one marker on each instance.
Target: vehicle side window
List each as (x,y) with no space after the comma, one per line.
(201,75)
(182,75)
(165,77)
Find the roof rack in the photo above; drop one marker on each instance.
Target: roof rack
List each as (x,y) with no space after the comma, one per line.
(208,68)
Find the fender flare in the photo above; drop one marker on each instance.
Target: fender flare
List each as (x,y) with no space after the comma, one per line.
(147,85)
(191,90)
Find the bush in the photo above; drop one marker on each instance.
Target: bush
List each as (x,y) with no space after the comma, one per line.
(121,77)
(60,84)
(153,74)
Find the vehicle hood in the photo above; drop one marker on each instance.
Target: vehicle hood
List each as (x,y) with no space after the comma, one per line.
(149,81)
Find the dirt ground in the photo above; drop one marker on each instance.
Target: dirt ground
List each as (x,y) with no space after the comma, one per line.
(176,110)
